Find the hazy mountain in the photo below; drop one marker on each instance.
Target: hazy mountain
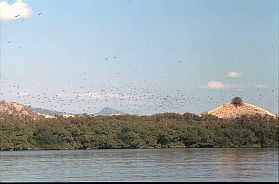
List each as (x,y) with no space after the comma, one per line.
(109,111)
(46,111)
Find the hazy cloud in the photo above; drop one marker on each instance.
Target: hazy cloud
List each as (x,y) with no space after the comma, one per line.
(23,94)
(17,10)
(100,95)
(95,95)
(232,74)
(233,87)
(213,85)
(261,86)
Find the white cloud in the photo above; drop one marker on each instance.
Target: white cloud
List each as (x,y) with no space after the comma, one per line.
(232,74)
(219,85)
(261,86)
(213,85)
(17,10)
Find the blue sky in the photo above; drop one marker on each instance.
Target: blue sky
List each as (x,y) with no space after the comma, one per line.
(140,56)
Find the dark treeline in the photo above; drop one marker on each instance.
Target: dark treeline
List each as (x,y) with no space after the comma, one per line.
(129,131)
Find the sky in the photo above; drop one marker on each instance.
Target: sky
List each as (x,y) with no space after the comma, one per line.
(139,56)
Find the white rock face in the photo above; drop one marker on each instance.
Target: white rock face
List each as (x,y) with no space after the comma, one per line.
(230,110)
(14,108)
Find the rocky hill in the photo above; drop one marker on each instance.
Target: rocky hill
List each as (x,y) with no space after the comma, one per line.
(237,108)
(19,110)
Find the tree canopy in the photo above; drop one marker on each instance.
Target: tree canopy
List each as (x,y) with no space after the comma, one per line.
(237,101)
(129,131)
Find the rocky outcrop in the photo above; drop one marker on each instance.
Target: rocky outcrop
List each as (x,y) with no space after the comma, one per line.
(233,110)
(19,110)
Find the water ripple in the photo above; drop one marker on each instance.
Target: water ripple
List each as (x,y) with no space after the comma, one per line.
(247,164)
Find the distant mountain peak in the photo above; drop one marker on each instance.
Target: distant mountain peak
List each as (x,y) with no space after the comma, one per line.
(107,111)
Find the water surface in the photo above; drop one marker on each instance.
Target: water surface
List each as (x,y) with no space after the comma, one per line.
(195,164)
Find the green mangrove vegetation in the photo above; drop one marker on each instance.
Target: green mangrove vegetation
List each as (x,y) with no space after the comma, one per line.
(130,131)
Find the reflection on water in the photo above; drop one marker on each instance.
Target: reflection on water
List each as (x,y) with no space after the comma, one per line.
(245,164)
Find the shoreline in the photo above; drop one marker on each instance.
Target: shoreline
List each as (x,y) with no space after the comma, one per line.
(252,147)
